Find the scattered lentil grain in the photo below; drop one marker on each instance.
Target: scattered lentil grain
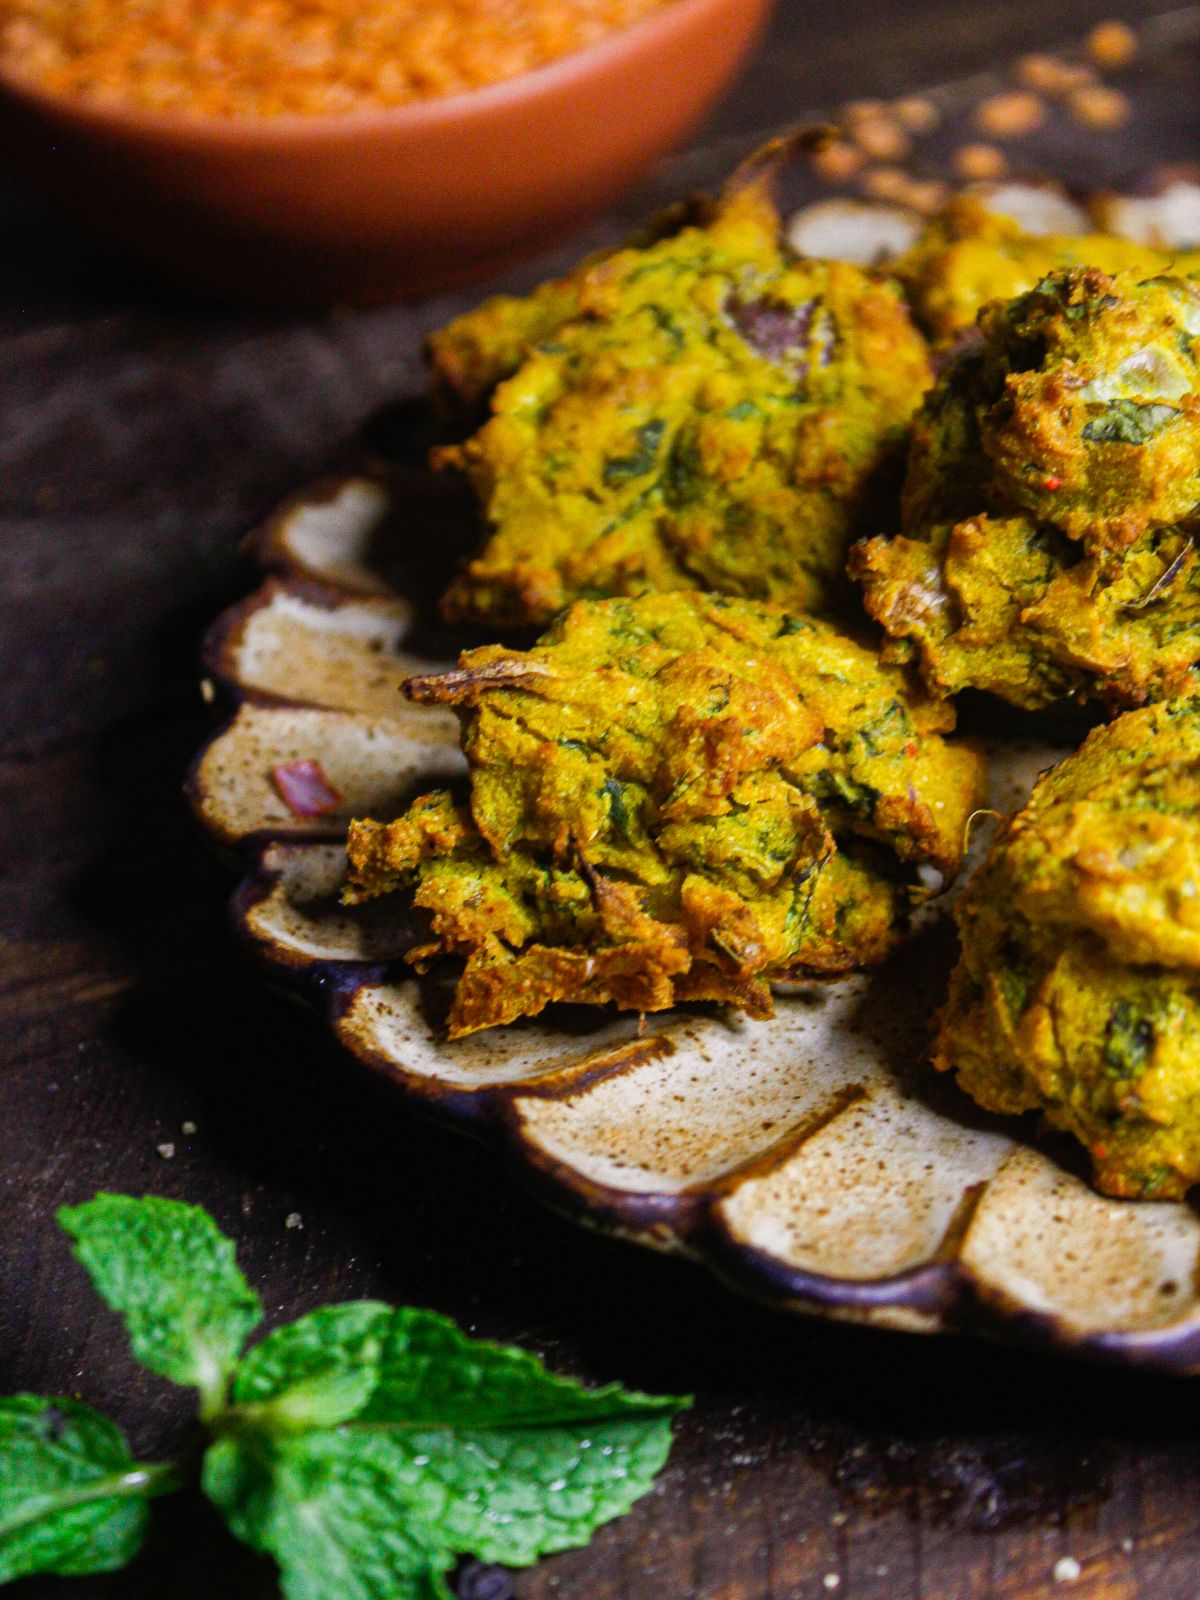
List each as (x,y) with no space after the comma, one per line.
(1099,108)
(916,114)
(838,162)
(863,110)
(979,163)
(1074,75)
(1011,115)
(881,138)
(1112,45)
(1050,75)
(925,196)
(1039,72)
(887,183)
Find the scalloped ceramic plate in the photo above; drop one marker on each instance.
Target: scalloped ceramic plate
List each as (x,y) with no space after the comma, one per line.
(810,1160)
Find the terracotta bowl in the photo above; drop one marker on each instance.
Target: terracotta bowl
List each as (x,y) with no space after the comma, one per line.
(377,205)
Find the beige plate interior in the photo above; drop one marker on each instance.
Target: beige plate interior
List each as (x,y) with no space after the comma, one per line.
(810,1159)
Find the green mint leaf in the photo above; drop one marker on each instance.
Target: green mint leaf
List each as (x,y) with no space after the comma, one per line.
(512,1495)
(316,1371)
(326,1508)
(432,1372)
(487,1452)
(1129,422)
(72,1498)
(172,1274)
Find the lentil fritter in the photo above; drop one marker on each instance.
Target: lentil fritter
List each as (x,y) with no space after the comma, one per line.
(967,256)
(675,797)
(1078,990)
(702,410)
(1051,503)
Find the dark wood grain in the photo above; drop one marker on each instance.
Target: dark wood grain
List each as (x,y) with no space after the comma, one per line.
(139,438)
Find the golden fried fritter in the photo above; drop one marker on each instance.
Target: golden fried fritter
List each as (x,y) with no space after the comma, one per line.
(967,256)
(1051,502)
(1078,991)
(674,797)
(704,411)
(475,352)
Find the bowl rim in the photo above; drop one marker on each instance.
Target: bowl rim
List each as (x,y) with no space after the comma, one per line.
(433,112)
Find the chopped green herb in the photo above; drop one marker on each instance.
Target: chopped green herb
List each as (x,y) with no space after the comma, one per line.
(833,786)
(684,474)
(642,458)
(1014,989)
(890,724)
(1129,422)
(1128,1041)
(616,806)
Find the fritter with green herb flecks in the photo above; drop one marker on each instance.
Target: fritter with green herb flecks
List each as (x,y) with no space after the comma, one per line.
(968,256)
(704,411)
(1051,504)
(475,352)
(674,797)
(1078,991)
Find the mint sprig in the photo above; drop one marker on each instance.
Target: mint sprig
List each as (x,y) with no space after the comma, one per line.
(364,1447)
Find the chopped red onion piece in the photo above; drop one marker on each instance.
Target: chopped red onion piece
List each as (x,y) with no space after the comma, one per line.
(775,331)
(304,788)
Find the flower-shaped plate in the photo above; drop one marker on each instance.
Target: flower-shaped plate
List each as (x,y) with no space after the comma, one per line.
(810,1160)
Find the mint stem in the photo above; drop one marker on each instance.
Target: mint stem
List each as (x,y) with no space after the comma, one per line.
(153,1478)
(141,1482)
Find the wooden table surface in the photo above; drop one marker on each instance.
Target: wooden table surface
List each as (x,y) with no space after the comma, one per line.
(139,438)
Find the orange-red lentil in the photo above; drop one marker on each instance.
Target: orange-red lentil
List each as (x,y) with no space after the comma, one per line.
(916,113)
(262,58)
(1010,115)
(1112,45)
(882,138)
(1100,108)
(979,162)
(887,183)
(838,161)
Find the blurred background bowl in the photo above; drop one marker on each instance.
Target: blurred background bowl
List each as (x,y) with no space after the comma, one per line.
(377,205)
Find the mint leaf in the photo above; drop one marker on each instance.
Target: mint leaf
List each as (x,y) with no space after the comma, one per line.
(172,1274)
(511,1461)
(514,1495)
(433,1372)
(325,1507)
(72,1498)
(485,1451)
(316,1371)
